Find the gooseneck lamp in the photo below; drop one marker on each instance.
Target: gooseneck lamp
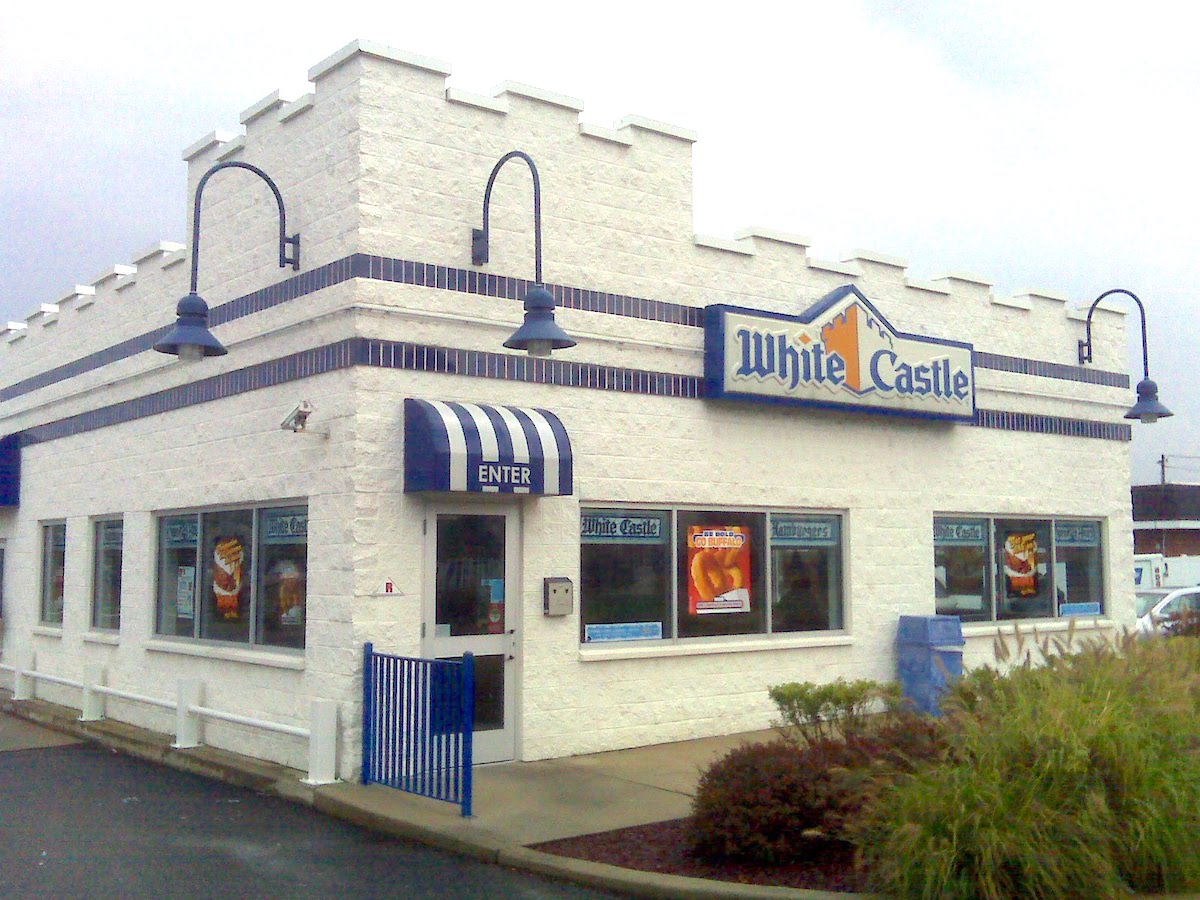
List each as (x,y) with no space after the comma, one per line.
(1147,409)
(539,334)
(190,339)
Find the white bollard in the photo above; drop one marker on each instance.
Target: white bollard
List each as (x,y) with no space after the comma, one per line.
(322,743)
(93,700)
(22,683)
(188,727)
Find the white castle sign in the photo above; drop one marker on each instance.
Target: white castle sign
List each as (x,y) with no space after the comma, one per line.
(840,353)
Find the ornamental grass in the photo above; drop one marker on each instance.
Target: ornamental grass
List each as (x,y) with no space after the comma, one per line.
(1075,777)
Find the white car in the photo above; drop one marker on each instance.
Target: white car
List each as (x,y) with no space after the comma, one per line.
(1159,609)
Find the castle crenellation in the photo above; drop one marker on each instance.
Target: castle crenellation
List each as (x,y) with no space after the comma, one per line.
(646,162)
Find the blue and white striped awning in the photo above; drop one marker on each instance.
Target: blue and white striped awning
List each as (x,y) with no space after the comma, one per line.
(477,448)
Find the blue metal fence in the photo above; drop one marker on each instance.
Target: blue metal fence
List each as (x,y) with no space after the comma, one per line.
(418,723)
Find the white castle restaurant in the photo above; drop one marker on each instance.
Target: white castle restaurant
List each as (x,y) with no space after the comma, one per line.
(640,486)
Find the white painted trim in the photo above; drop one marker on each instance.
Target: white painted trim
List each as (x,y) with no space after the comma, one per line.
(379,51)
(773,235)
(720,243)
(479,101)
(605,134)
(692,647)
(839,268)
(275,660)
(882,259)
(574,104)
(1027,626)
(291,110)
(683,134)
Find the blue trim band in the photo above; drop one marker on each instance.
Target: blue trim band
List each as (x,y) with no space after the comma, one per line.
(381,268)
(476,364)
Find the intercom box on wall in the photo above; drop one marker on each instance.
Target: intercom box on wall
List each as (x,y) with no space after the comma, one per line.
(559,597)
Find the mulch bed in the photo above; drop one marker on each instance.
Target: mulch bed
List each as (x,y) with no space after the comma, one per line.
(665,847)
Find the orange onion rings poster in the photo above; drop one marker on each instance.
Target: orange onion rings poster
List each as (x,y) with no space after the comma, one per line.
(718,569)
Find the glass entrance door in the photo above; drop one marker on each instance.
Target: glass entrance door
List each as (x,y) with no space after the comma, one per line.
(471,591)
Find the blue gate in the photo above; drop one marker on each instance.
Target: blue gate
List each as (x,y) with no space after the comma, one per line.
(418,723)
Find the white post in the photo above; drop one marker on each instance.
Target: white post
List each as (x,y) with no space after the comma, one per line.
(93,700)
(188,727)
(322,743)
(22,683)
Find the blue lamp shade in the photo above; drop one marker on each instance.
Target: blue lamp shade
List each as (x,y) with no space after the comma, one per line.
(539,334)
(1148,409)
(190,338)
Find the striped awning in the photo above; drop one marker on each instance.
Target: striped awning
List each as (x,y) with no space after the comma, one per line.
(472,447)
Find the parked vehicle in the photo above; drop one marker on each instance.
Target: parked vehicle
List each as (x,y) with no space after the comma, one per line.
(1159,610)
(1149,571)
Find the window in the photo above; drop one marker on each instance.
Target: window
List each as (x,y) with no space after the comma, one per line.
(1001,569)
(54,564)
(960,568)
(236,575)
(106,574)
(677,574)
(626,572)
(806,564)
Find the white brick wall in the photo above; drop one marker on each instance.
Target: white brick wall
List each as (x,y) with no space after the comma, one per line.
(382,161)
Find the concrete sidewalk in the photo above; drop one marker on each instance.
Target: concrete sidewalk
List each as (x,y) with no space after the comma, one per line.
(515,804)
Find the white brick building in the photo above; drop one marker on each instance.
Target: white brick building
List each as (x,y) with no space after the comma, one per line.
(383,172)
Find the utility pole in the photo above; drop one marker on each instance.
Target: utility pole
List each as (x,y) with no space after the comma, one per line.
(1162,463)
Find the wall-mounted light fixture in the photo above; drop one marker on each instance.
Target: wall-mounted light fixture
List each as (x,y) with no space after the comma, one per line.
(1147,409)
(539,334)
(190,339)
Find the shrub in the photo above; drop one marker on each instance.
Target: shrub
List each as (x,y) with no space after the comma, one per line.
(762,802)
(1080,777)
(810,713)
(765,802)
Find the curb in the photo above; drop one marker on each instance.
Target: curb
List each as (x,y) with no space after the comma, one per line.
(282,782)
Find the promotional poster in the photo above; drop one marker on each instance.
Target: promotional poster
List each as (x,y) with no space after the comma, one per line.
(718,569)
(1020,564)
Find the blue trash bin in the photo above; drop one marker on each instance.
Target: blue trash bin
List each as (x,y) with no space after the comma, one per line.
(929,651)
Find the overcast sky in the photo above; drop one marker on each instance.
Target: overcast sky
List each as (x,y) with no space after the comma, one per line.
(1020,140)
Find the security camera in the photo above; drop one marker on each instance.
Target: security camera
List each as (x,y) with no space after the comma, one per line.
(297,419)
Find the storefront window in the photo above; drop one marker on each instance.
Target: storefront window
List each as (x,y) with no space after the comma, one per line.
(177,542)
(283,576)
(235,575)
(54,564)
(1000,569)
(625,574)
(227,539)
(106,575)
(1078,567)
(666,574)
(960,568)
(722,590)
(1025,588)
(806,563)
